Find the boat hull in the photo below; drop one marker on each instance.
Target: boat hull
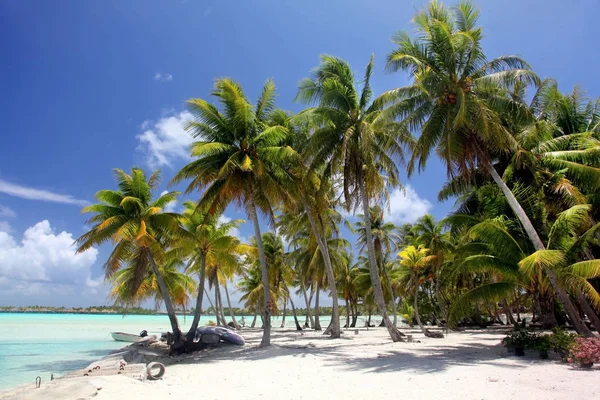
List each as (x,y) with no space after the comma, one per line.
(125,337)
(227,335)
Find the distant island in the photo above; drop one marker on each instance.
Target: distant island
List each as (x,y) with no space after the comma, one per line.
(128,310)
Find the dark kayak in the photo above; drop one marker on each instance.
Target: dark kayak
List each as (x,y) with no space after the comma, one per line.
(224,334)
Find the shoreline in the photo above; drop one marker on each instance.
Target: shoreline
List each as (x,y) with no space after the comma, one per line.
(466,364)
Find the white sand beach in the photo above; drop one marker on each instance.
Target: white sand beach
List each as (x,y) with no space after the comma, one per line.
(308,365)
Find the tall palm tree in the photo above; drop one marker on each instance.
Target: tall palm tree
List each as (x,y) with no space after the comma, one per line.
(207,242)
(384,238)
(139,229)
(460,101)
(239,157)
(356,140)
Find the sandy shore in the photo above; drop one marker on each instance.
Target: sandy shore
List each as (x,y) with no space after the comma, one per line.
(465,365)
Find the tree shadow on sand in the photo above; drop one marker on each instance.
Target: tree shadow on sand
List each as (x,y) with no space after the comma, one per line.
(402,357)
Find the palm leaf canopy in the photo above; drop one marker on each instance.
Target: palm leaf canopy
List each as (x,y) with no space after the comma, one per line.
(239,152)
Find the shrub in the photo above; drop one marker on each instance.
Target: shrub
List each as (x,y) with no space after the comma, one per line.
(520,338)
(560,341)
(584,351)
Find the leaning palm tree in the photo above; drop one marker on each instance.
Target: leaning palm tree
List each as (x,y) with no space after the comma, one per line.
(207,242)
(239,157)
(459,100)
(135,223)
(126,292)
(356,141)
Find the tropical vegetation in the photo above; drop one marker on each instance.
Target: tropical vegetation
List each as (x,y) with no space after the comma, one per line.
(523,167)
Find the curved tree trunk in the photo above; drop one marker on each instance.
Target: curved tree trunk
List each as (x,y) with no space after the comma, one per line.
(198,311)
(374,271)
(416,306)
(509,317)
(164,292)
(323,248)
(562,295)
(317,322)
(284,312)
(347,314)
(266,337)
(219,305)
(589,311)
(231,313)
(254,320)
(354,314)
(209,300)
(308,313)
(441,304)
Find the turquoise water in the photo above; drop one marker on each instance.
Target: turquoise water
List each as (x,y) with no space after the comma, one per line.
(44,344)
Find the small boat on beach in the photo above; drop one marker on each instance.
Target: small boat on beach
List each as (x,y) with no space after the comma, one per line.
(128,337)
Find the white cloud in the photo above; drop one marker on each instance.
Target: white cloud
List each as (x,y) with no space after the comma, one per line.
(163,77)
(166,140)
(37,194)
(7,212)
(45,259)
(406,206)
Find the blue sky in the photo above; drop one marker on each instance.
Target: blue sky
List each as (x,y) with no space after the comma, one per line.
(88,86)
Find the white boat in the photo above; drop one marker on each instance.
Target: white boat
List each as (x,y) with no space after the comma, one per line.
(125,337)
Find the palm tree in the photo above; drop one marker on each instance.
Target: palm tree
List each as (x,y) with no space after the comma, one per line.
(384,238)
(125,293)
(413,262)
(459,100)
(431,235)
(316,212)
(139,230)
(239,157)
(206,242)
(356,140)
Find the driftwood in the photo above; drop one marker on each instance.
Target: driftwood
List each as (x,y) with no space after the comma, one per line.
(436,335)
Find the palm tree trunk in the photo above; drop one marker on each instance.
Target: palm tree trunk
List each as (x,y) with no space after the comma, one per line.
(416,306)
(198,311)
(374,271)
(370,312)
(284,311)
(354,315)
(317,322)
(219,307)
(306,299)
(509,317)
(266,337)
(254,320)
(231,313)
(209,300)
(323,248)
(441,304)
(298,327)
(347,314)
(589,311)
(392,297)
(164,292)
(578,323)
